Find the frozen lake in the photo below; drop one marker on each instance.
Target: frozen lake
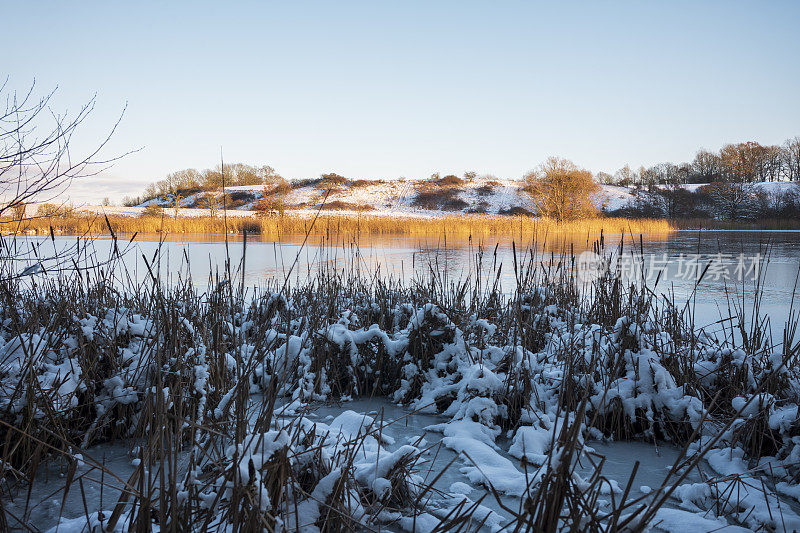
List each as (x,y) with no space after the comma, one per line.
(398,425)
(727,263)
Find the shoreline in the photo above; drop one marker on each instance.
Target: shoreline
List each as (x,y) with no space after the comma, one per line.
(466,226)
(91,223)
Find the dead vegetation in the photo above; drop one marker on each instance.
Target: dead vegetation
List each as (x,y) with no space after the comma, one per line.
(487,188)
(355,184)
(510,224)
(331,181)
(440,194)
(339,205)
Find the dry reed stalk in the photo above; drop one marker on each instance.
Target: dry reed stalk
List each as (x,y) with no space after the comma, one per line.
(477,227)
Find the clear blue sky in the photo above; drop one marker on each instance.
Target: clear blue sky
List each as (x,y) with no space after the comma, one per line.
(378,89)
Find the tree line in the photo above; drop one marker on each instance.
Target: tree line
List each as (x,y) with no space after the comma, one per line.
(744,162)
(560,189)
(190,181)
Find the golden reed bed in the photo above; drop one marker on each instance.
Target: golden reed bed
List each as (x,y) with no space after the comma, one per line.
(460,226)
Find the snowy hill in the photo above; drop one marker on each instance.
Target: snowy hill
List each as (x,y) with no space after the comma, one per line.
(409,198)
(399,197)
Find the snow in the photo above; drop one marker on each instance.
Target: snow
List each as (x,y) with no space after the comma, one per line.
(309,511)
(686,511)
(384,198)
(460,383)
(613,197)
(257,449)
(461,488)
(395,198)
(680,521)
(484,465)
(533,443)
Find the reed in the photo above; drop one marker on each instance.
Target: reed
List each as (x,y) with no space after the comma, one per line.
(211,391)
(482,227)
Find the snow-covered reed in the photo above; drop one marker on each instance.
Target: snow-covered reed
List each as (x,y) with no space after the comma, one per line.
(210,389)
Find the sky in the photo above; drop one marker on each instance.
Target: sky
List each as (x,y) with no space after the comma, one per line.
(390,89)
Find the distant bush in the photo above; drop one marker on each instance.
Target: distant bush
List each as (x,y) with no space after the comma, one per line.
(480,209)
(153,210)
(269,205)
(454,204)
(238,196)
(278,188)
(19,210)
(434,199)
(338,205)
(188,191)
(238,199)
(485,190)
(450,180)
(365,183)
(516,211)
(307,182)
(427,200)
(330,181)
(210,201)
(273,197)
(440,194)
(52,210)
(435,183)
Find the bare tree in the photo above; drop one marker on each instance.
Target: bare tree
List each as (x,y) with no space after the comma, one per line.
(605,178)
(269,174)
(624,176)
(790,153)
(750,162)
(739,161)
(768,163)
(706,166)
(559,189)
(210,201)
(36,162)
(273,197)
(176,205)
(731,200)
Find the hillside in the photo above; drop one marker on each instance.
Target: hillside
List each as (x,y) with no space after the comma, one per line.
(401,198)
(411,198)
(408,198)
